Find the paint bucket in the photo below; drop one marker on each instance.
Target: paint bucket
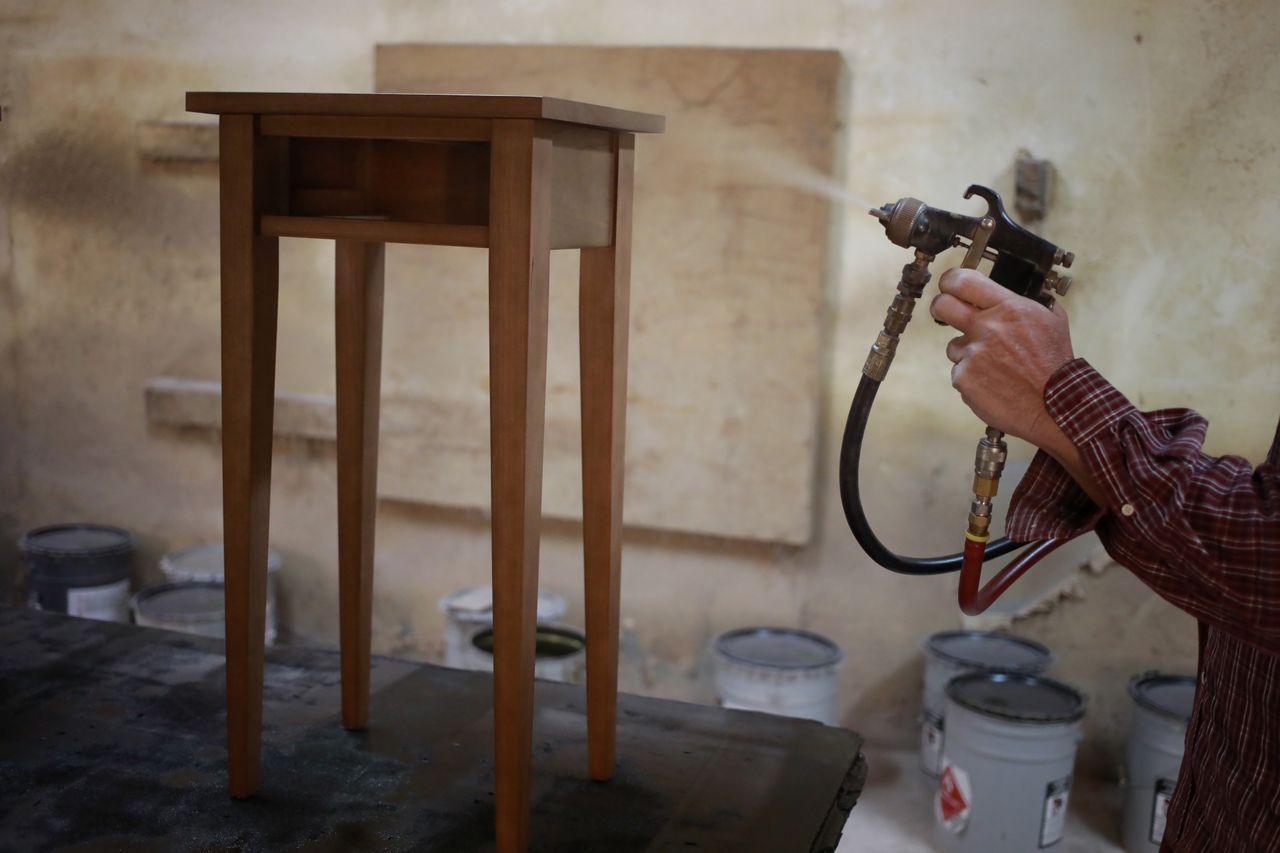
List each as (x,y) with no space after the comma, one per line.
(952,653)
(204,564)
(470,610)
(192,607)
(80,569)
(560,655)
(1007,763)
(781,671)
(1161,710)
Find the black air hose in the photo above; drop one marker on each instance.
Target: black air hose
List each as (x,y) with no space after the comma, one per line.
(850,455)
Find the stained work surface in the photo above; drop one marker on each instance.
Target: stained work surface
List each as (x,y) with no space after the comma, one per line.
(113,740)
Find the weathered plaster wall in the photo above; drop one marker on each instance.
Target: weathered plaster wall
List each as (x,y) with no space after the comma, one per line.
(1160,116)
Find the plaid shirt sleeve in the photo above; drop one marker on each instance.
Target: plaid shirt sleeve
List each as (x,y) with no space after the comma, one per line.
(1202,531)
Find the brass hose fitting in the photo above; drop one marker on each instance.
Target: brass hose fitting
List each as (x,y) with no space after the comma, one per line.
(988,464)
(915,276)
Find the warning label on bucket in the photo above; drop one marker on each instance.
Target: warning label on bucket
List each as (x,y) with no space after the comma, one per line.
(954,798)
(1160,809)
(1054,819)
(930,743)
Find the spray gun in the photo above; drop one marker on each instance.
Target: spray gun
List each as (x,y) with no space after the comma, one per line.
(1024,263)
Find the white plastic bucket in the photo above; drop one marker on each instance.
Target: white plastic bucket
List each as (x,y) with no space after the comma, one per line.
(204,564)
(470,610)
(560,654)
(1007,764)
(192,607)
(1161,710)
(781,671)
(951,653)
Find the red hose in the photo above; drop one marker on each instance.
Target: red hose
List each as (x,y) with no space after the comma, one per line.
(974,600)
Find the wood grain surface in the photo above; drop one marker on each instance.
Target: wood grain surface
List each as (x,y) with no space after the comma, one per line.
(604,294)
(358,337)
(424,104)
(519,266)
(250,285)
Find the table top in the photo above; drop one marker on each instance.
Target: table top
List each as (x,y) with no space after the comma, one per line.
(424,106)
(113,738)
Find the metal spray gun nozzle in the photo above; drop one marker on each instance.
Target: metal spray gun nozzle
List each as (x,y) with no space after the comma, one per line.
(1023,261)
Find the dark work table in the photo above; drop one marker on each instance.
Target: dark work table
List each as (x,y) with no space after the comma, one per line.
(112,737)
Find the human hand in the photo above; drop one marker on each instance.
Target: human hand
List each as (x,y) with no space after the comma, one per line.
(1008,348)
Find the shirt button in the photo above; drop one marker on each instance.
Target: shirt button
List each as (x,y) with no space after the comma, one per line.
(1127,510)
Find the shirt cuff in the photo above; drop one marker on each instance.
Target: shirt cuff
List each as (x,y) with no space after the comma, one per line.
(1048,503)
(1082,403)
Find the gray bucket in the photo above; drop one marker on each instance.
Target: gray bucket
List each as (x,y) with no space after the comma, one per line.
(1007,764)
(952,653)
(782,671)
(80,569)
(205,563)
(192,607)
(560,653)
(1161,710)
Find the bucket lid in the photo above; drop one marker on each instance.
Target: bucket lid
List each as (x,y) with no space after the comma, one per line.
(83,541)
(206,563)
(778,648)
(1166,694)
(475,604)
(1021,698)
(989,650)
(187,601)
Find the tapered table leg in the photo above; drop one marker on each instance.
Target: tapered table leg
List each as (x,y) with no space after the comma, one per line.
(519,261)
(359,354)
(250,272)
(604,298)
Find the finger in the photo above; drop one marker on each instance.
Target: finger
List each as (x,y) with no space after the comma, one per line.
(1059,311)
(957,380)
(955,313)
(972,287)
(957,348)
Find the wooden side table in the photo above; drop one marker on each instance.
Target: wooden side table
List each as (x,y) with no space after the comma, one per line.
(517,175)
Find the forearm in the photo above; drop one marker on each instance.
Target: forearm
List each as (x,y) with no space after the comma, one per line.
(1202,531)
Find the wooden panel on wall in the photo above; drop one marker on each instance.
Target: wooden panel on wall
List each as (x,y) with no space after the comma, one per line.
(730,275)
